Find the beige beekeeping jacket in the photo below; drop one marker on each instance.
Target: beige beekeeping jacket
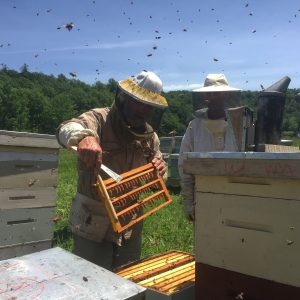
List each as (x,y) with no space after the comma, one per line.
(88,217)
(202,135)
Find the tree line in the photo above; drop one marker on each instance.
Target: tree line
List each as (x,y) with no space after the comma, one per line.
(35,102)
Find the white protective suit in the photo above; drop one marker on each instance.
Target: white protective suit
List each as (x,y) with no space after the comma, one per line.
(202,135)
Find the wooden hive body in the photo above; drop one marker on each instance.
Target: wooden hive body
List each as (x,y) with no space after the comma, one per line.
(28,173)
(247,224)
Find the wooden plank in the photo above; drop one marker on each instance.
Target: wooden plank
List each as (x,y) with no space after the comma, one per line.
(250,235)
(31,197)
(27,139)
(251,186)
(15,167)
(6,148)
(270,168)
(20,170)
(26,225)
(27,134)
(243,155)
(20,156)
(44,178)
(23,249)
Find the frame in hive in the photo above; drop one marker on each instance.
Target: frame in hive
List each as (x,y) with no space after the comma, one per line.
(169,275)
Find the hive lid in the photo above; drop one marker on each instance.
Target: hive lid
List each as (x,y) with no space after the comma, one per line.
(58,274)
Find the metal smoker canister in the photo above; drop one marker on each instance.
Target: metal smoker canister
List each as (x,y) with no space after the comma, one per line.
(270,110)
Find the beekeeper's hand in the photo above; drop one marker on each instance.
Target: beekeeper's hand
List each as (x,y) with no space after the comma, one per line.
(160,166)
(90,152)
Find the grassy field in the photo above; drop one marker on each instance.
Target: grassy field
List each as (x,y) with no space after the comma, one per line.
(164,230)
(296,142)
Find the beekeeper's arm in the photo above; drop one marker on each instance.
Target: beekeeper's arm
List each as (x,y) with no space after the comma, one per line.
(187,181)
(71,132)
(83,133)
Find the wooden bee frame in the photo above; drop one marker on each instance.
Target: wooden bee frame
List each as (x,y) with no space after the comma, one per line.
(169,275)
(140,193)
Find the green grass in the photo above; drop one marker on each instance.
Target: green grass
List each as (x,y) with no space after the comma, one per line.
(165,230)
(296,142)
(66,189)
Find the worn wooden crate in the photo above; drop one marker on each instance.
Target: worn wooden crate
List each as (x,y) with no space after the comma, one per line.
(28,174)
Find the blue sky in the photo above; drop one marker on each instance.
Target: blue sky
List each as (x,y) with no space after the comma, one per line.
(252,42)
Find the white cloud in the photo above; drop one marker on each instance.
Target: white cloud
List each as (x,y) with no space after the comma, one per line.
(125,44)
(178,87)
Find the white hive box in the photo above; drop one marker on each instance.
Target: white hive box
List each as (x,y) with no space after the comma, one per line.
(57,274)
(247,229)
(28,174)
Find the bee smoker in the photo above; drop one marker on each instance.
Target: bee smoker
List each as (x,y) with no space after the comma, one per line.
(270,110)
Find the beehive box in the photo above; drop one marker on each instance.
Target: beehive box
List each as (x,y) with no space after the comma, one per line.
(165,144)
(173,165)
(28,173)
(58,274)
(247,240)
(170,144)
(173,172)
(170,275)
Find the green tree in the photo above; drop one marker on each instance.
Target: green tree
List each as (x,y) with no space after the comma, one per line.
(112,85)
(15,110)
(32,101)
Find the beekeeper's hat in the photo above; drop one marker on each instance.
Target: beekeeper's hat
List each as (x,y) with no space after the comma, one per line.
(145,87)
(216,83)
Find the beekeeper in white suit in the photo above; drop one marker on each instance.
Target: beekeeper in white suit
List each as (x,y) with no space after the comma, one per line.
(123,137)
(208,131)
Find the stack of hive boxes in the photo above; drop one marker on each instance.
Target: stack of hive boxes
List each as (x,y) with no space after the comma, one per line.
(28,173)
(170,147)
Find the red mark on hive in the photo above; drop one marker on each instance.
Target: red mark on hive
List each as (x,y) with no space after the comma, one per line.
(8,266)
(279,169)
(234,168)
(22,288)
